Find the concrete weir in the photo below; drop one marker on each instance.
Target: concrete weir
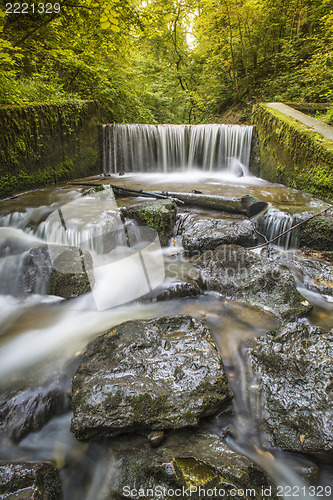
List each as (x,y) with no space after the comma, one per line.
(45,143)
(294,149)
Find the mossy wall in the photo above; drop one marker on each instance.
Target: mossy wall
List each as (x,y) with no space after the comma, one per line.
(291,153)
(45,143)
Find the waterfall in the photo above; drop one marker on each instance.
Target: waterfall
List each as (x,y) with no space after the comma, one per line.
(274,222)
(166,148)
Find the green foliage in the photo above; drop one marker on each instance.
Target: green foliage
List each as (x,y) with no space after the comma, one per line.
(252,50)
(170,61)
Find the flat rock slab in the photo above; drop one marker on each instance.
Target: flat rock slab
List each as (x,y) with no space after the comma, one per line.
(200,234)
(185,461)
(28,481)
(241,275)
(160,374)
(295,370)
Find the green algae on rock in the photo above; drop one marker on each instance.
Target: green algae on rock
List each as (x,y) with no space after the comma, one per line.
(189,460)
(42,144)
(156,214)
(293,154)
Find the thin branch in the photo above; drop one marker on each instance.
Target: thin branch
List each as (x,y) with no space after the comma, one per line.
(292,228)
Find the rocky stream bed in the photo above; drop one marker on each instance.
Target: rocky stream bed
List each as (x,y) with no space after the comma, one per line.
(153,395)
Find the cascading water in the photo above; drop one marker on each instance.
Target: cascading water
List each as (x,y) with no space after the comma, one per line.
(167,148)
(37,334)
(275,222)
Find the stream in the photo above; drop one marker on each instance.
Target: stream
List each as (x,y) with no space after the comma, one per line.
(42,335)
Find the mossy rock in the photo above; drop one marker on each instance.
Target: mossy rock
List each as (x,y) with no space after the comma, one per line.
(317,233)
(187,460)
(29,481)
(158,214)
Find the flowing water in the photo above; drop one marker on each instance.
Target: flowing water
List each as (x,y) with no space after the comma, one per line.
(169,148)
(41,332)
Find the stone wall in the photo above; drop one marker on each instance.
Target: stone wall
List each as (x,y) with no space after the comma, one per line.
(45,143)
(291,153)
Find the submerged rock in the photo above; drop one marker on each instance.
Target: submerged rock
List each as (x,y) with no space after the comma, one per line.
(29,481)
(28,409)
(201,234)
(295,370)
(198,462)
(160,374)
(177,289)
(157,214)
(241,275)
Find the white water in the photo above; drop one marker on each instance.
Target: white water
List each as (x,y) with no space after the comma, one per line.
(166,148)
(43,333)
(275,222)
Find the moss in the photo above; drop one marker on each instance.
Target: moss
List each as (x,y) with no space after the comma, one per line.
(148,408)
(160,215)
(293,154)
(317,233)
(45,143)
(194,472)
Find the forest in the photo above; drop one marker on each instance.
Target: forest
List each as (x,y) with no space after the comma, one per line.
(168,61)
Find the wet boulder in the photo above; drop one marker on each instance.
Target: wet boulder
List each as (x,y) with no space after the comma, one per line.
(157,214)
(72,272)
(55,270)
(317,233)
(29,410)
(160,374)
(196,462)
(176,289)
(239,274)
(29,481)
(294,369)
(315,270)
(200,234)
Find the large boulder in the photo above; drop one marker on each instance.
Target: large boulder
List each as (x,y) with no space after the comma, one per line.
(241,275)
(157,214)
(295,372)
(160,374)
(28,481)
(198,463)
(200,234)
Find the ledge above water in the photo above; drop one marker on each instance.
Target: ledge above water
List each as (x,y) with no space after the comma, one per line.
(295,149)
